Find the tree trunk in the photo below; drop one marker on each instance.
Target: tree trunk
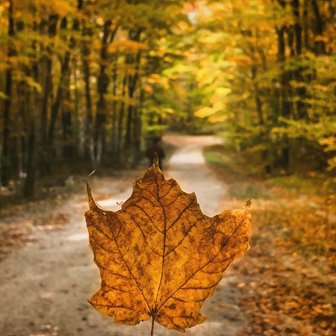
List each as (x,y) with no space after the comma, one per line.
(283,161)
(56,106)
(45,155)
(75,110)
(305,24)
(297,27)
(102,87)
(6,165)
(32,159)
(86,33)
(120,158)
(88,108)
(319,28)
(29,187)
(138,129)
(132,86)
(297,74)
(114,107)
(67,120)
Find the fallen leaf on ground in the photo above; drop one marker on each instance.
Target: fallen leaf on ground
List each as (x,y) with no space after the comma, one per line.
(159,256)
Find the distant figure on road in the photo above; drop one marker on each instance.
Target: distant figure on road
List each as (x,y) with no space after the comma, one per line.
(155,147)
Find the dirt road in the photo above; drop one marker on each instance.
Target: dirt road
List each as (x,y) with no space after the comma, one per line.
(45,286)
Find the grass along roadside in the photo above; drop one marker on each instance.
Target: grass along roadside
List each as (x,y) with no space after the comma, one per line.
(301,207)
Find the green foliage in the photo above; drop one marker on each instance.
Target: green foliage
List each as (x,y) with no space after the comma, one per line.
(267,76)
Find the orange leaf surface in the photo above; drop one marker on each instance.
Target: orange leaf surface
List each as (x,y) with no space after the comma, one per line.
(159,256)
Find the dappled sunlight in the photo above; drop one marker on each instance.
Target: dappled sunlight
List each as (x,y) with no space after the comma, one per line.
(187,155)
(77,237)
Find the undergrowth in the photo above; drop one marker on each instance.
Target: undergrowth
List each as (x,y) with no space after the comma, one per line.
(300,207)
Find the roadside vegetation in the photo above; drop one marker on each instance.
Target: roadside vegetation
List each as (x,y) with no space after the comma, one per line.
(289,282)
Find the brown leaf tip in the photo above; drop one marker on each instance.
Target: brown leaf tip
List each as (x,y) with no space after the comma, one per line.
(156,160)
(91,201)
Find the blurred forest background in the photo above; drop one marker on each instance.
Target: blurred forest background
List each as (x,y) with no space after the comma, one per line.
(84,84)
(243,92)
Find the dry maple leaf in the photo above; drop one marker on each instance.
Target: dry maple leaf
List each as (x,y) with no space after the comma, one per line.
(159,256)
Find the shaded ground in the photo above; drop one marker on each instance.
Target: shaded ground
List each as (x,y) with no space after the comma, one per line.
(275,290)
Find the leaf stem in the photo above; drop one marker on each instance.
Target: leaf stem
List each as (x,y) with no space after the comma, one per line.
(152,329)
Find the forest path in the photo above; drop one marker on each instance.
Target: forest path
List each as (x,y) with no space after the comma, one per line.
(45,286)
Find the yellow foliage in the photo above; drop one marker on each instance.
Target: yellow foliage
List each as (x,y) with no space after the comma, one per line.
(218,119)
(127,46)
(61,7)
(205,112)
(148,89)
(242,59)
